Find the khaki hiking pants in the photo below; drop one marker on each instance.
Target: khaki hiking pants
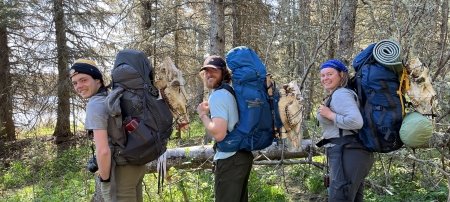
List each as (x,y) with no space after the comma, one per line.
(128,184)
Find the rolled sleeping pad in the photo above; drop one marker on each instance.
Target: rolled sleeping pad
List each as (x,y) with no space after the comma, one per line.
(388,53)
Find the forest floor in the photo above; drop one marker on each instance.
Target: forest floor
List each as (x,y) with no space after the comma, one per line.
(21,149)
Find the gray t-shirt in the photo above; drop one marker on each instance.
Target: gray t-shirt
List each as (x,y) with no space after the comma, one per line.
(348,117)
(96,113)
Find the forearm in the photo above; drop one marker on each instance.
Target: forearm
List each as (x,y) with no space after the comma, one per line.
(211,128)
(104,163)
(103,153)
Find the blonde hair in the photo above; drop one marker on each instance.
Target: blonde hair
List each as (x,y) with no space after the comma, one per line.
(344,79)
(86,61)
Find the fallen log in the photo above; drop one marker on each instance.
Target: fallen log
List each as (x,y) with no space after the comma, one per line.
(201,157)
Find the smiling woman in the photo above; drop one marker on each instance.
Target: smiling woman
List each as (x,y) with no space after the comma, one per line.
(340,118)
(333,74)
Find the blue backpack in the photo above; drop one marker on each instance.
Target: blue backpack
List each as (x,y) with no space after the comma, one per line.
(381,102)
(259,117)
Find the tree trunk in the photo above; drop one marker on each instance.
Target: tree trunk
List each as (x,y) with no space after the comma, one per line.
(305,53)
(235,24)
(217,34)
(217,41)
(444,55)
(250,18)
(347,30)
(7,130)
(333,16)
(176,35)
(148,14)
(62,130)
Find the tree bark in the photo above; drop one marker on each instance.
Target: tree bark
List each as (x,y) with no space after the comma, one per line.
(217,34)
(176,35)
(7,130)
(333,16)
(235,23)
(304,55)
(444,56)
(347,30)
(217,40)
(62,130)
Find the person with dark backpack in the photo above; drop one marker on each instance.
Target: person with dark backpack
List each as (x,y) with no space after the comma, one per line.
(219,115)
(88,82)
(339,116)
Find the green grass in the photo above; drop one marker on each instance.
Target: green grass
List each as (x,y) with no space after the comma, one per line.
(44,177)
(192,136)
(40,173)
(407,183)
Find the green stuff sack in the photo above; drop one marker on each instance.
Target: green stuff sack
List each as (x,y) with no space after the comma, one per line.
(416,130)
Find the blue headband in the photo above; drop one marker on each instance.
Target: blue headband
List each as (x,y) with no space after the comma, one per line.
(334,63)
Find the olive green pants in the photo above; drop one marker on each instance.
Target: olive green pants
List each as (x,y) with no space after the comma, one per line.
(128,184)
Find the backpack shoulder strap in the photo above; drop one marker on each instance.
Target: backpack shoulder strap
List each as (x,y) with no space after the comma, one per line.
(403,88)
(230,89)
(227,87)
(102,91)
(328,102)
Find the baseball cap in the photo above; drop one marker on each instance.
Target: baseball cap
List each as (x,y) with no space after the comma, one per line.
(214,61)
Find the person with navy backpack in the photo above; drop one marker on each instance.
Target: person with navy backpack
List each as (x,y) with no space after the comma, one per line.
(339,116)
(219,115)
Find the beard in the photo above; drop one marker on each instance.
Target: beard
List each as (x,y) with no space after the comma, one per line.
(212,83)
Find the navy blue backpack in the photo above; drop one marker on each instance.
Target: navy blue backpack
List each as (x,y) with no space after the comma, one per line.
(258,112)
(381,105)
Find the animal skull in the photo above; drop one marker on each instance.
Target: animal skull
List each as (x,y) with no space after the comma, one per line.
(421,91)
(169,80)
(291,111)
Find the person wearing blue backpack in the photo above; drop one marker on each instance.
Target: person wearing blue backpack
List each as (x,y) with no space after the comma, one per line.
(339,116)
(219,115)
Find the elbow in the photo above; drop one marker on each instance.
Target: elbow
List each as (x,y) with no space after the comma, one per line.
(219,138)
(359,123)
(352,124)
(104,152)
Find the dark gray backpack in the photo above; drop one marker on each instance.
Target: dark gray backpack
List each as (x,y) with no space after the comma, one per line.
(140,122)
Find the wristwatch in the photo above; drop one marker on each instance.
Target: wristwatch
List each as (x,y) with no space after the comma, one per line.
(102,180)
